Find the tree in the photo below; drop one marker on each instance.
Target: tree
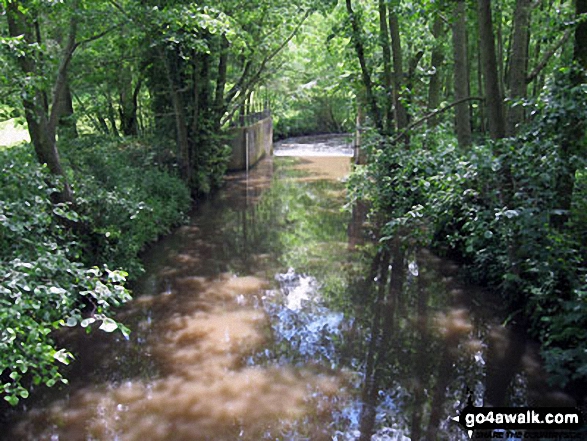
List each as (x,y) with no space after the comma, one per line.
(357,39)
(572,145)
(436,60)
(42,115)
(580,40)
(518,65)
(493,90)
(206,62)
(461,74)
(401,114)
(387,75)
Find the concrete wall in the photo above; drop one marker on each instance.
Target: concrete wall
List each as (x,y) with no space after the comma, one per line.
(258,137)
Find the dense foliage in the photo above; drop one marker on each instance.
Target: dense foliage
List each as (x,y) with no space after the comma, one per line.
(477,142)
(93,81)
(492,207)
(52,275)
(477,147)
(127,195)
(313,93)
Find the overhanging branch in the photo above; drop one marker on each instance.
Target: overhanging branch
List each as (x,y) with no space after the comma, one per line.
(547,56)
(433,114)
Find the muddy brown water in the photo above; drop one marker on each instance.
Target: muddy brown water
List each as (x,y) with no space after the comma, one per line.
(264,318)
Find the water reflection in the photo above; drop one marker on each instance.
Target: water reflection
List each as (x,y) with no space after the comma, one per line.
(426,344)
(271,316)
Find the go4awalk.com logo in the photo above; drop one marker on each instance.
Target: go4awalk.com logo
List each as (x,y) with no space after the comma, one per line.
(521,422)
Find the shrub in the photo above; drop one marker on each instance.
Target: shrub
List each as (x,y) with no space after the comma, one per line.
(43,286)
(128,198)
(53,276)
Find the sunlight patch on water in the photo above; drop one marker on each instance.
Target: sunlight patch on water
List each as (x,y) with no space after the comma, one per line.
(205,390)
(321,168)
(306,331)
(454,324)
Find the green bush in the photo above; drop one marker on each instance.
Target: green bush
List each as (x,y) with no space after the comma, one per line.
(42,284)
(210,161)
(128,198)
(53,276)
(310,115)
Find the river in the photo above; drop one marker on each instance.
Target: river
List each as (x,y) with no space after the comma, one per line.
(269,316)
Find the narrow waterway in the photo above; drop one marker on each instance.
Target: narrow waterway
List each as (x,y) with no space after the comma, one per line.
(270,316)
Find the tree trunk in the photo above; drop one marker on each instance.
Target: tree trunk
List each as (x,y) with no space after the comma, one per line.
(401,114)
(580,46)
(493,94)
(67,124)
(181,132)
(43,139)
(409,83)
(573,141)
(103,124)
(536,87)
(128,103)
(461,74)
(481,88)
(42,124)
(386,53)
(518,65)
(437,58)
(111,114)
(205,92)
(202,115)
(219,106)
(500,51)
(365,74)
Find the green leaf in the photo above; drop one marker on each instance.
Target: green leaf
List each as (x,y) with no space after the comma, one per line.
(108,325)
(13,400)
(87,322)
(63,356)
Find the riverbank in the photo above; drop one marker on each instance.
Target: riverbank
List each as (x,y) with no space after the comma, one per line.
(270,315)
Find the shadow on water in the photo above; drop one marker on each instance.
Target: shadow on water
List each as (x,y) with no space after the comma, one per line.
(271,316)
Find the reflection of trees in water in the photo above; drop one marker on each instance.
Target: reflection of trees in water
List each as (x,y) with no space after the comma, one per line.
(294,221)
(409,331)
(426,342)
(413,353)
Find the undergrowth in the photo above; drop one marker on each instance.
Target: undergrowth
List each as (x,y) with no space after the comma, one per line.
(53,275)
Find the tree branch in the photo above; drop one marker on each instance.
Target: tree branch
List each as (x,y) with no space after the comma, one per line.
(96,37)
(239,84)
(365,74)
(433,114)
(547,56)
(244,90)
(61,79)
(273,54)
